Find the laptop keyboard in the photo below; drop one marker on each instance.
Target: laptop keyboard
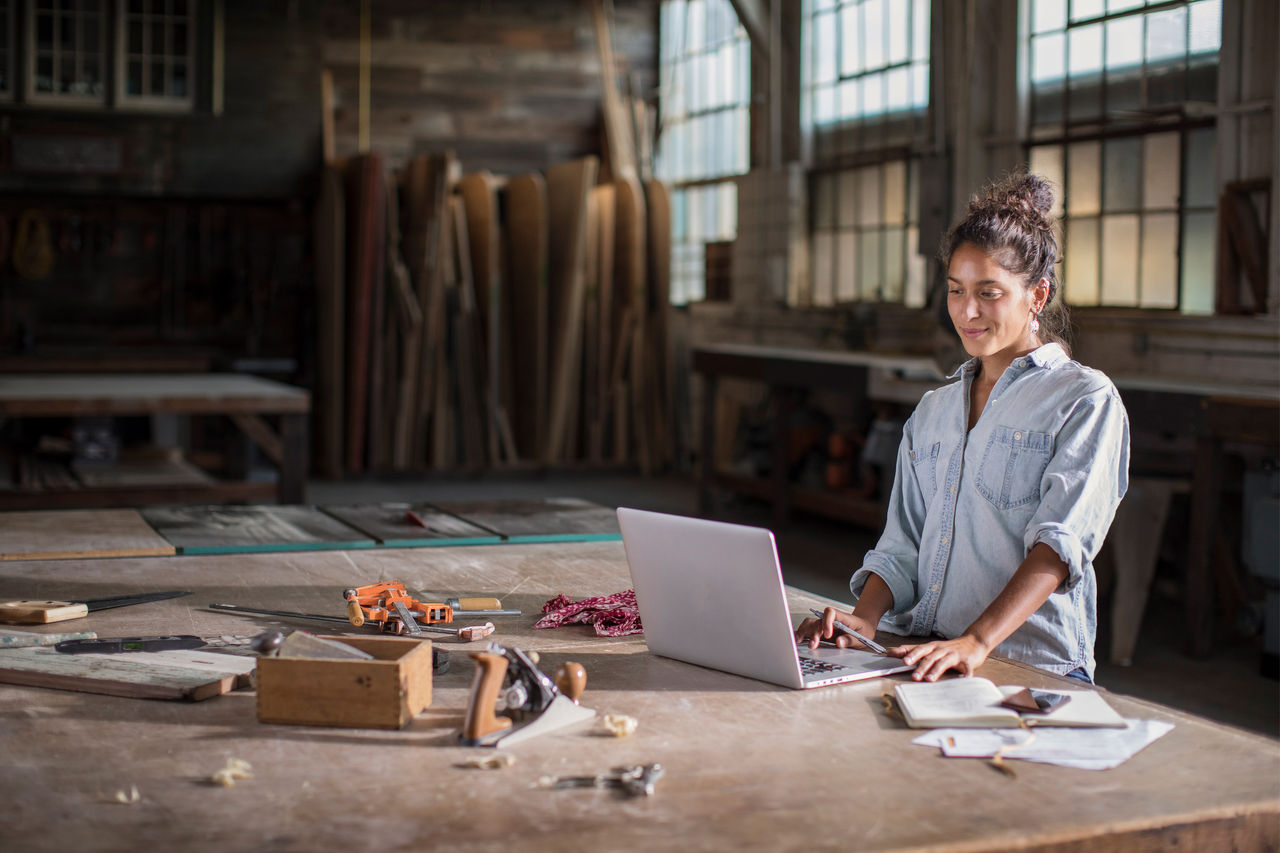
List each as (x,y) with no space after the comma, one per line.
(811,666)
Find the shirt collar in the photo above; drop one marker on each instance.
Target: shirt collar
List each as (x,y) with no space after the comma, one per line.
(1048,356)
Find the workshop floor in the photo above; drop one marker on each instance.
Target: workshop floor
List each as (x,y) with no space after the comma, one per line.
(818,555)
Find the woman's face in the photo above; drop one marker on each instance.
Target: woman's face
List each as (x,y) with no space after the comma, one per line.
(990,306)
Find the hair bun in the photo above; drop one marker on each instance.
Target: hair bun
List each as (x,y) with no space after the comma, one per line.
(1024,195)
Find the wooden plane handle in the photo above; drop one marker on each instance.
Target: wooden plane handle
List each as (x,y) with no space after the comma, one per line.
(30,612)
(481,719)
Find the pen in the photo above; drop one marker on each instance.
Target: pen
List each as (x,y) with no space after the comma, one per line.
(871,644)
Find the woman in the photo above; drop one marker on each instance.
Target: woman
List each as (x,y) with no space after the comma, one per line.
(1007,480)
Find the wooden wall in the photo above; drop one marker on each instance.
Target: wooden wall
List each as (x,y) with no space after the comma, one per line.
(509,86)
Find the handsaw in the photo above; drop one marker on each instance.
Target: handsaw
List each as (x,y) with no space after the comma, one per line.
(33,612)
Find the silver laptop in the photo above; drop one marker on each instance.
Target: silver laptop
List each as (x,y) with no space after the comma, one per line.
(711,593)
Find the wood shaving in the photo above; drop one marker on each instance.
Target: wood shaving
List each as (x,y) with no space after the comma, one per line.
(130,797)
(619,725)
(236,769)
(497,761)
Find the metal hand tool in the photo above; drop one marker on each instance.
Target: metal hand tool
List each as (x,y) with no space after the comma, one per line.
(117,645)
(470,632)
(32,612)
(840,626)
(636,780)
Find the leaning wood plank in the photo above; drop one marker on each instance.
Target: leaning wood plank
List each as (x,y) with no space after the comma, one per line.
(61,534)
(606,204)
(364,214)
(408,317)
(617,120)
(468,354)
(189,675)
(479,191)
(526,230)
(330,230)
(583,408)
(568,188)
(631,264)
(660,383)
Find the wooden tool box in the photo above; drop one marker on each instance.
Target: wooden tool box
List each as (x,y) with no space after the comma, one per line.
(385,693)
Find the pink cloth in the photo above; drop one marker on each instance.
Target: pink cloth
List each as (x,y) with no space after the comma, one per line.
(612,615)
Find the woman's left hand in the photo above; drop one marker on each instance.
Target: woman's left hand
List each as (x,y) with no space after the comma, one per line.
(964,654)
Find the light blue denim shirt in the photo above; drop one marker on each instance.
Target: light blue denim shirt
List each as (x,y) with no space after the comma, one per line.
(1047,461)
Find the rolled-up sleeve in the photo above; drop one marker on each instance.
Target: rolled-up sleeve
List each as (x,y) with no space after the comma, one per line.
(1083,483)
(896,555)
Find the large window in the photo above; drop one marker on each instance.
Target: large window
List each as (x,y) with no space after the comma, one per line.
(868,58)
(866,83)
(705,89)
(66,52)
(155,45)
(1114,121)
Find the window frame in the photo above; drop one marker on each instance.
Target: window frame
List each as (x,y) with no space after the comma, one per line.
(120,61)
(30,95)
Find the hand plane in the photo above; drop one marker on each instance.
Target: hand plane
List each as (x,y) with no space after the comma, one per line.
(534,704)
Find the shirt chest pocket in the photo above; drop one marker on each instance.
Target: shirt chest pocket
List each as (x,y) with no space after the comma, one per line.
(1012,465)
(925,462)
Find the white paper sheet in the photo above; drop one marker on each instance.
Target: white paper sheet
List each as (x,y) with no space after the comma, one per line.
(1086,749)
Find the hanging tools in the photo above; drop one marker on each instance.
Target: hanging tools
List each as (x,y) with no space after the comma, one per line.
(31,612)
(534,704)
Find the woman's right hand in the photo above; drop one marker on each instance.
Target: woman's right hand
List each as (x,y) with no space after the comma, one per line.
(811,631)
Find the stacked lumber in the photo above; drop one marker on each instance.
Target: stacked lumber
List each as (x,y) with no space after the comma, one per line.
(472,321)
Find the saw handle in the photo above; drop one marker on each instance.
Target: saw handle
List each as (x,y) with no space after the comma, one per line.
(481,720)
(32,612)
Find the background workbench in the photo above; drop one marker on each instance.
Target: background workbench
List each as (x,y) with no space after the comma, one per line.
(243,398)
(749,766)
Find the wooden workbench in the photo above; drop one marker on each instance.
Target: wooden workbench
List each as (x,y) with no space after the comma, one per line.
(749,766)
(243,398)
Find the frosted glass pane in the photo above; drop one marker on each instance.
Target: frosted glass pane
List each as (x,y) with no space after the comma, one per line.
(913,191)
(895,192)
(1122,5)
(1198,260)
(1123,159)
(895,240)
(824,49)
(914,292)
(873,33)
(1048,57)
(1082,9)
(920,30)
(1046,161)
(1084,50)
(898,86)
(899,14)
(1120,260)
(1048,15)
(846,268)
(679,219)
(850,49)
(824,202)
(847,200)
(824,105)
(1082,178)
(1199,187)
(1160,169)
(696,23)
(869,264)
(728,199)
(920,84)
(849,105)
(1166,35)
(1159,284)
(872,94)
(823,283)
(869,196)
(1124,42)
(1206,26)
(1081,267)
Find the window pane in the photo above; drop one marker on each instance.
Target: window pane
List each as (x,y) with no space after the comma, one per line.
(1048,59)
(1082,178)
(873,33)
(899,19)
(1122,5)
(1159,260)
(1166,35)
(1046,161)
(1198,261)
(823,268)
(824,35)
(846,267)
(1084,50)
(1123,169)
(1084,9)
(850,50)
(1048,15)
(898,85)
(133,78)
(1160,169)
(869,264)
(1124,43)
(869,196)
(895,192)
(847,201)
(1199,189)
(1120,259)
(1081,265)
(915,291)
(920,30)
(179,80)
(1206,26)
(894,264)
(873,94)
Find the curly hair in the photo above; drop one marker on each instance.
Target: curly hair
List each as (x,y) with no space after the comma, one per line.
(1012,221)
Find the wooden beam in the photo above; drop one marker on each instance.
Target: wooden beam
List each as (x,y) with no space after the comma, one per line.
(261,434)
(754,16)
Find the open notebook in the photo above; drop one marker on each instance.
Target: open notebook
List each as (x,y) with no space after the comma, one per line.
(975,703)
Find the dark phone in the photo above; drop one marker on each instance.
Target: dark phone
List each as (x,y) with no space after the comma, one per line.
(1047,700)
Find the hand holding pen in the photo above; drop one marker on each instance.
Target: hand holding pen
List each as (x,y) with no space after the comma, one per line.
(840,626)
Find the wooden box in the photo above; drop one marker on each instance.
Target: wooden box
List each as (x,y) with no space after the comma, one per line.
(384,693)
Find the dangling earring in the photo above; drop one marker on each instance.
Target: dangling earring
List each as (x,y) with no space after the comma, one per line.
(1035,324)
